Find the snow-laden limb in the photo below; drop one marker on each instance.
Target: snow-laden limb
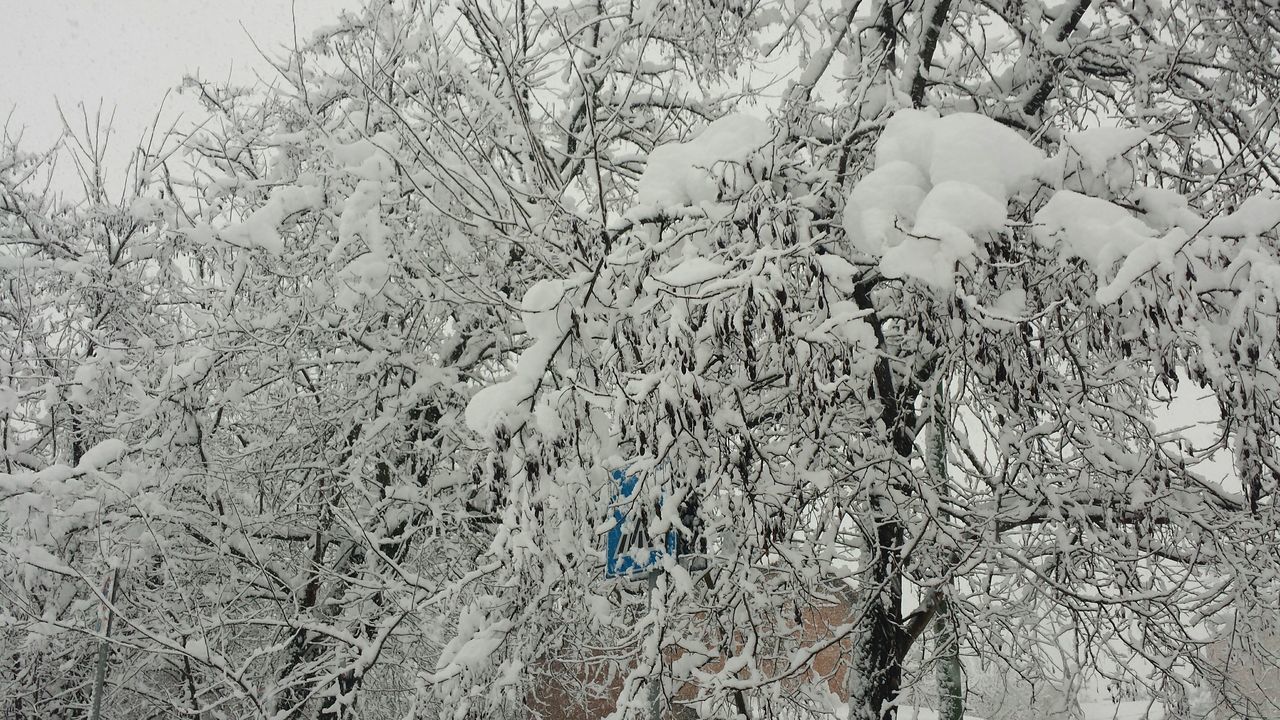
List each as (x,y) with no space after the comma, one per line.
(706,168)
(262,228)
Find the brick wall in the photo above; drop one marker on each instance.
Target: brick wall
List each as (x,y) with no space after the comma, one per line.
(588,688)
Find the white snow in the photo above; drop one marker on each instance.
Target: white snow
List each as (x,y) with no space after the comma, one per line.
(938,183)
(546,318)
(892,191)
(846,326)
(977,150)
(908,137)
(943,233)
(544,312)
(959,206)
(1102,233)
(1156,252)
(925,259)
(1166,209)
(692,172)
(1094,230)
(838,271)
(943,183)
(1009,308)
(262,228)
(1256,215)
(39,557)
(102,454)
(1098,146)
(1012,303)
(692,271)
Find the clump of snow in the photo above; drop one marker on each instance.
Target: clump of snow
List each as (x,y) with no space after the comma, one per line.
(547,317)
(102,454)
(646,12)
(545,313)
(692,271)
(1102,233)
(925,259)
(838,271)
(1166,209)
(1256,215)
(1097,161)
(367,160)
(1094,230)
(890,193)
(908,137)
(367,157)
(938,183)
(692,172)
(954,205)
(41,558)
(972,148)
(942,236)
(9,399)
(1098,146)
(1156,252)
(1012,304)
(478,636)
(144,209)
(262,228)
(847,326)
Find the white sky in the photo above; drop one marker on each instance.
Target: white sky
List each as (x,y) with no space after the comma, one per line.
(127,53)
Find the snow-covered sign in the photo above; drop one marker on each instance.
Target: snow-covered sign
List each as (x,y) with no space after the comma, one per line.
(628,548)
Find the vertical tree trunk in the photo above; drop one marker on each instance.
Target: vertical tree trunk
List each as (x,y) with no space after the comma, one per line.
(947,669)
(875,674)
(104,645)
(876,671)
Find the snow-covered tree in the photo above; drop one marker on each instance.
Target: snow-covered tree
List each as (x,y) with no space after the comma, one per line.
(878,300)
(784,307)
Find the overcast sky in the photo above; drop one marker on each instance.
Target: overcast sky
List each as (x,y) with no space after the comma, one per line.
(127,53)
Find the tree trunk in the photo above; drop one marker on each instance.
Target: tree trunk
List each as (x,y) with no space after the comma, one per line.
(875,674)
(947,669)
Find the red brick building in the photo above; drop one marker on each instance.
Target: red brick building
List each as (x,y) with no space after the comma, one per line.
(589,689)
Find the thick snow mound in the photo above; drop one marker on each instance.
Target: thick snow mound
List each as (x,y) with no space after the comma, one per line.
(939,182)
(887,195)
(1094,230)
(692,172)
(1102,233)
(964,147)
(1098,146)
(1256,215)
(980,151)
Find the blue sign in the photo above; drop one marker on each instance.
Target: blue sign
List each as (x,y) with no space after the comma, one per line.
(628,549)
